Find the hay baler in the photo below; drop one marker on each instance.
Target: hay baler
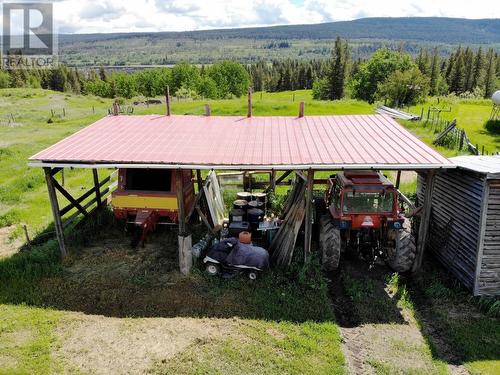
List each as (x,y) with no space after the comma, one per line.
(148,197)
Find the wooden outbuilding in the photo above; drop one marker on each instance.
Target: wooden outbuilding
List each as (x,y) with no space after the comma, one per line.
(303,144)
(464,228)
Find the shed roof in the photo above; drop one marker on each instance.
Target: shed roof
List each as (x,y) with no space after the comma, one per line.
(235,142)
(489,165)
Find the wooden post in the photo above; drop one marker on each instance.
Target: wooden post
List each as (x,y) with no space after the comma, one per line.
(97,188)
(398,179)
(185,240)
(423,230)
(272,181)
(185,254)
(179,186)
(54,204)
(208,111)
(199,180)
(249,113)
(308,220)
(301,109)
(167,99)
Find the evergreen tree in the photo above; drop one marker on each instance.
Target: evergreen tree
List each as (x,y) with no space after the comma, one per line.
(457,74)
(468,69)
(477,69)
(434,72)
(423,62)
(489,74)
(338,69)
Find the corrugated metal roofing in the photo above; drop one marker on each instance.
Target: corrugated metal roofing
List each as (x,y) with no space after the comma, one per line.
(482,164)
(320,142)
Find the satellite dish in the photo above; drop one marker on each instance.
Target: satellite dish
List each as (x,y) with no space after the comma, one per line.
(496,97)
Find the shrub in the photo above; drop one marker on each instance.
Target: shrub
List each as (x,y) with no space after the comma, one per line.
(321,89)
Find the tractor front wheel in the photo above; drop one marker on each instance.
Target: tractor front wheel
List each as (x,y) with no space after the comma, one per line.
(405,252)
(329,244)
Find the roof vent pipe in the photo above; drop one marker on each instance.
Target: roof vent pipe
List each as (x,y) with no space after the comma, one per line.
(301,109)
(249,114)
(167,99)
(115,108)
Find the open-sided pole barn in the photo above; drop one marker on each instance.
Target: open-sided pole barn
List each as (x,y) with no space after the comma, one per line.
(304,144)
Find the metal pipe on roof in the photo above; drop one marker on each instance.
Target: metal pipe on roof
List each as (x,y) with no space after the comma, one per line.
(167,99)
(301,109)
(249,113)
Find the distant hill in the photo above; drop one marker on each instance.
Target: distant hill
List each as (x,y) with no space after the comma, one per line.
(308,40)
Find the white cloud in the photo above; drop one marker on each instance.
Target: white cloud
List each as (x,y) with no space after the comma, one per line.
(177,15)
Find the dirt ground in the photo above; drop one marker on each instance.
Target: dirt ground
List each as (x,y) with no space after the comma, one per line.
(8,246)
(381,334)
(93,344)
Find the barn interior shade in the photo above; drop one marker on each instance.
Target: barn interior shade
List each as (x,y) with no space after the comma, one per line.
(318,142)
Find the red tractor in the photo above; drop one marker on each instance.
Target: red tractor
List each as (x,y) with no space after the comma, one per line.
(364,218)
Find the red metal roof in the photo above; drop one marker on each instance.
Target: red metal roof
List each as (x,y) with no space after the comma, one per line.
(319,142)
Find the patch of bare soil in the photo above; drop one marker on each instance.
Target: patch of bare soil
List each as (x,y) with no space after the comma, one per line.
(15,339)
(109,277)
(7,361)
(377,333)
(102,345)
(8,247)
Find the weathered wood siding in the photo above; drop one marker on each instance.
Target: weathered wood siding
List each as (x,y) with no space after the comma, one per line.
(455,221)
(489,276)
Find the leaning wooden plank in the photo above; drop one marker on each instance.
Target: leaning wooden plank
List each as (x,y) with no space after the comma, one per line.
(445,132)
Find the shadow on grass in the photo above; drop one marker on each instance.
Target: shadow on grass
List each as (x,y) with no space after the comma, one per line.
(360,295)
(450,319)
(104,275)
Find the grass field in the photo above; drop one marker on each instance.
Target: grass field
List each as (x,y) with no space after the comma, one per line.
(87,314)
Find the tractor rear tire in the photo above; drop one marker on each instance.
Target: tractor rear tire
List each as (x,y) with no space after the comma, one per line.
(405,252)
(329,244)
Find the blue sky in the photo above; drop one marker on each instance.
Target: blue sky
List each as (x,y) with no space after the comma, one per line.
(81,16)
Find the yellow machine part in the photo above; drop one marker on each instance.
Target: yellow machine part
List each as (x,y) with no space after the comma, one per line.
(140,201)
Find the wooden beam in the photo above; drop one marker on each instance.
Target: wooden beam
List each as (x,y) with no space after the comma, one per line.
(308,220)
(69,197)
(199,180)
(179,186)
(167,99)
(84,196)
(54,204)
(483,217)
(281,178)
(97,189)
(398,179)
(301,175)
(54,171)
(249,113)
(423,230)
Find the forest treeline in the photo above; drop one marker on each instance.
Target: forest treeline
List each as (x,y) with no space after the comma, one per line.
(390,75)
